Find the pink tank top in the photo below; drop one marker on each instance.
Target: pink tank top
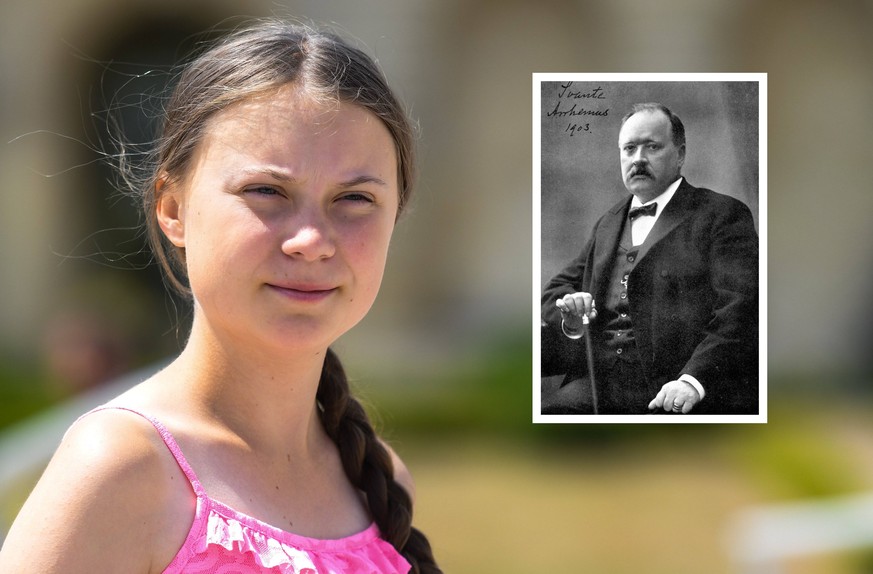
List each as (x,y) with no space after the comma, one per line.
(222,540)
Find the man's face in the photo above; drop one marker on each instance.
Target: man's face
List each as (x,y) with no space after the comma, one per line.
(650,161)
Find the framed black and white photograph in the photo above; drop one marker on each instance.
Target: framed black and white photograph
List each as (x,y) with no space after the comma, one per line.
(649,248)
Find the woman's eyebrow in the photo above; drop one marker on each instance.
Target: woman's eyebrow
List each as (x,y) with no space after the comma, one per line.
(280,175)
(363,179)
(276,174)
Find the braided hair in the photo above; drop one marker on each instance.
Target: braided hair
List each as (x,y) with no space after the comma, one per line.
(368,465)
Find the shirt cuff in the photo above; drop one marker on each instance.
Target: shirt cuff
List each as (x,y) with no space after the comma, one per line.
(694,383)
(570,334)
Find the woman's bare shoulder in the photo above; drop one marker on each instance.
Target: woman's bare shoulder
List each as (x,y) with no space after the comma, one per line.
(104,499)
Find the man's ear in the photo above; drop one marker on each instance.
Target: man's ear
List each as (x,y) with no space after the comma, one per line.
(682,155)
(170,211)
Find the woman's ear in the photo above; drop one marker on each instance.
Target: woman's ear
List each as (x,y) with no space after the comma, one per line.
(170,211)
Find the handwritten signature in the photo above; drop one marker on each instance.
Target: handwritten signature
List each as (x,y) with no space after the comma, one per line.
(563,110)
(566,92)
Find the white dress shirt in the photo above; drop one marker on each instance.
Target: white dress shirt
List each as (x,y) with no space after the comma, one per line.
(642,225)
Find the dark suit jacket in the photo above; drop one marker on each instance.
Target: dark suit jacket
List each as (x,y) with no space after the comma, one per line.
(693,296)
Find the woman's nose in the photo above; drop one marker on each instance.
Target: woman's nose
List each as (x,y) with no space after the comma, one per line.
(309,238)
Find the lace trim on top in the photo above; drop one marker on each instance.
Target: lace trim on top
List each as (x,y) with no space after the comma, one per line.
(224,540)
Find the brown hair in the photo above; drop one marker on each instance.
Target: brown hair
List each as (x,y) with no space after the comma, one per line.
(256,60)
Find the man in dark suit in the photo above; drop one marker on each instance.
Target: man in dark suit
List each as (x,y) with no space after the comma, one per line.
(669,282)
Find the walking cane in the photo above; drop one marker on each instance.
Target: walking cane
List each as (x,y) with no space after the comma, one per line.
(590,356)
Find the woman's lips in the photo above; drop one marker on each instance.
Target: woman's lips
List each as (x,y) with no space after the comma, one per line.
(304,293)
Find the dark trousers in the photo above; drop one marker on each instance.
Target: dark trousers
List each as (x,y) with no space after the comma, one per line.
(621,389)
(624,390)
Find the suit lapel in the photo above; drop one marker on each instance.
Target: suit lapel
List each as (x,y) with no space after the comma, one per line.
(605,244)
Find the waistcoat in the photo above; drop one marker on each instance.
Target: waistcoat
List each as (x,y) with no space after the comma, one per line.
(617,334)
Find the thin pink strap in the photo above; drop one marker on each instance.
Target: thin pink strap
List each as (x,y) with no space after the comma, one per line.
(169,441)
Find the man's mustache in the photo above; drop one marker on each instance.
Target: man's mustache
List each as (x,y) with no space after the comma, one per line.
(640,171)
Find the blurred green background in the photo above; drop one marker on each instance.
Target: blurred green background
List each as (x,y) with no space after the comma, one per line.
(444,357)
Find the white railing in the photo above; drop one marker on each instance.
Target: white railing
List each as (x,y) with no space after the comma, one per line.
(762,539)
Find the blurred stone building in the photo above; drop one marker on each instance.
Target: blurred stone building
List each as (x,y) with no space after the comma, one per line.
(71,251)
(461,272)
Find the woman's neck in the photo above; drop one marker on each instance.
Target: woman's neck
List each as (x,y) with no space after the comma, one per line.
(263,395)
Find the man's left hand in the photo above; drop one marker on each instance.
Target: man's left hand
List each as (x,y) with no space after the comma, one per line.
(677,397)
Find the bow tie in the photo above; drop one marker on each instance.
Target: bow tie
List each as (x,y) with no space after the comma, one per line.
(649,209)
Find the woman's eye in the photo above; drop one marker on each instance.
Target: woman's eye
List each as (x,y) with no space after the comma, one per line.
(357,197)
(262,190)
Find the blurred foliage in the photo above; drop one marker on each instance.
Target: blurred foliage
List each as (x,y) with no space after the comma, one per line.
(23,391)
(490,394)
(798,454)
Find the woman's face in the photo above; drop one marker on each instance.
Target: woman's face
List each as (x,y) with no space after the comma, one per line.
(285,217)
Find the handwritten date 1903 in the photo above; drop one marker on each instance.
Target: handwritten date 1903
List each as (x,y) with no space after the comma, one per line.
(573,127)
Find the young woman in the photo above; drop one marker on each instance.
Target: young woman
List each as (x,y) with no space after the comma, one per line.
(282,166)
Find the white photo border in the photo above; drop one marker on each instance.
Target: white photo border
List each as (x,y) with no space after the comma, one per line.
(538,79)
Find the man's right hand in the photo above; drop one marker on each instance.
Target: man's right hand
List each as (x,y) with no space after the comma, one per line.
(574,307)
